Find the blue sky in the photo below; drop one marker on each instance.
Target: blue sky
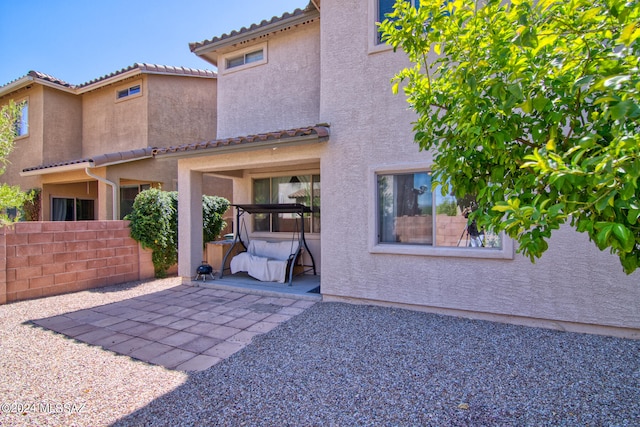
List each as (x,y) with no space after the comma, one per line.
(79,40)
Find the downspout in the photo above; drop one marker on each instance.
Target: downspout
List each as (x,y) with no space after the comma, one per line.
(114,191)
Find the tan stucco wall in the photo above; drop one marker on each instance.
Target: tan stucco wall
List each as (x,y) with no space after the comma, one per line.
(182,110)
(370,127)
(111,125)
(62,126)
(281,94)
(171,110)
(28,149)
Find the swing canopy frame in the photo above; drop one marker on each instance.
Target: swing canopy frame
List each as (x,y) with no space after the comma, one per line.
(292,208)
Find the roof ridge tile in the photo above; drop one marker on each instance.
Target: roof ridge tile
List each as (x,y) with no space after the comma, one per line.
(286,15)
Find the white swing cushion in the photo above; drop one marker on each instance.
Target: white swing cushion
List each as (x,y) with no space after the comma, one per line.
(265,261)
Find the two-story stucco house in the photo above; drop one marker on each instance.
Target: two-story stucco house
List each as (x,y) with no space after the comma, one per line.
(88,147)
(378,234)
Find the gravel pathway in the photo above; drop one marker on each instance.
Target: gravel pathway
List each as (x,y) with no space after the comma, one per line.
(47,379)
(334,364)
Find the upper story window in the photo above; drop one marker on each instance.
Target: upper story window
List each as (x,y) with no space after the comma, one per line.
(246,58)
(130,91)
(22,122)
(383,7)
(249,57)
(133,90)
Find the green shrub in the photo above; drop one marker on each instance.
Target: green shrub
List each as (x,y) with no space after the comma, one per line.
(213,207)
(154,223)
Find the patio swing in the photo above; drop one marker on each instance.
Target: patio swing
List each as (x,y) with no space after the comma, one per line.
(269,261)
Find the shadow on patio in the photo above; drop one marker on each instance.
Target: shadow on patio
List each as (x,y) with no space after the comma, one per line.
(187,328)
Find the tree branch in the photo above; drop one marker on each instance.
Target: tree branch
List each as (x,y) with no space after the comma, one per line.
(527,143)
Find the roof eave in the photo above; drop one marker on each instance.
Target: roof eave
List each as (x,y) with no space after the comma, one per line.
(100,161)
(260,31)
(239,148)
(108,81)
(57,169)
(28,80)
(16,85)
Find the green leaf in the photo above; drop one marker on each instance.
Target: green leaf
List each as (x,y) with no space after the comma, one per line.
(501,208)
(536,103)
(624,236)
(621,109)
(555,210)
(602,238)
(633,215)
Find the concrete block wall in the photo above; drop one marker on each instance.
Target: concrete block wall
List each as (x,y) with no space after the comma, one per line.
(50,258)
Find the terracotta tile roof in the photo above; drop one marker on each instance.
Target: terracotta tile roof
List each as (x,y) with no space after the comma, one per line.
(244,30)
(142,68)
(49,78)
(153,69)
(321,132)
(100,160)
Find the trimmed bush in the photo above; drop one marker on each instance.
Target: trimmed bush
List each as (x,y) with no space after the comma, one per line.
(154,223)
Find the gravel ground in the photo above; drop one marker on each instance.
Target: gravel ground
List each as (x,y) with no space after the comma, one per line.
(336,365)
(47,379)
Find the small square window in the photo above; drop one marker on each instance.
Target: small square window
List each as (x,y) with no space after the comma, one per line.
(248,57)
(254,57)
(133,90)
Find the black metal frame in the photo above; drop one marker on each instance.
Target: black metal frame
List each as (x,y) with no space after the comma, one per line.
(295,208)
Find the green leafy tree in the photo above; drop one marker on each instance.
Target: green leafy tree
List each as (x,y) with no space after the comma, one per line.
(11,197)
(154,223)
(213,207)
(533,107)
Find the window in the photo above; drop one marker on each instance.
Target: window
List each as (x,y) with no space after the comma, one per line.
(133,90)
(245,58)
(71,209)
(383,7)
(409,213)
(128,195)
(304,189)
(405,206)
(22,122)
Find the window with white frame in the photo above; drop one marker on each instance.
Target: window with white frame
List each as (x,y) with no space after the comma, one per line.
(303,189)
(252,56)
(22,121)
(129,91)
(409,213)
(246,58)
